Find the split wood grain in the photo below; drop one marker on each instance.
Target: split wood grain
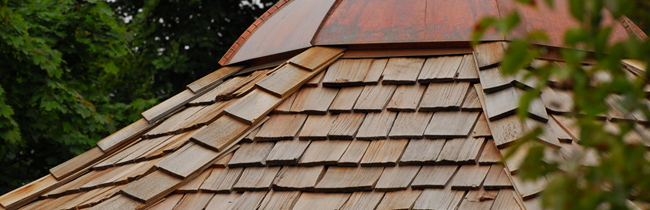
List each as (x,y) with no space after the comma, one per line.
(444,96)
(285,106)
(315,57)
(363,200)
(440,69)
(286,80)
(439,199)
(376,125)
(316,80)
(346,126)
(451,124)
(186,160)
(222,92)
(251,154)
(223,201)
(406,98)
(410,125)
(213,78)
(324,152)
(396,178)
(461,151)
(403,199)
(384,152)
(220,133)
(314,100)
(221,180)
(321,201)
(434,176)
(317,127)
(345,99)
(489,54)
(251,135)
(497,178)
(469,177)
(118,202)
(481,129)
(354,153)
(253,106)
(77,163)
(490,154)
(194,201)
(151,187)
(170,125)
(256,178)
(287,152)
(279,200)
(374,98)
(478,199)
(471,102)
(493,81)
(402,70)
(250,86)
(468,71)
(506,200)
(168,106)
(422,151)
(349,179)
(347,72)
(281,127)
(125,134)
(298,178)
(375,72)
(249,200)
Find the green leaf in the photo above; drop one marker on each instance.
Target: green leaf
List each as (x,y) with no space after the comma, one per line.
(111,68)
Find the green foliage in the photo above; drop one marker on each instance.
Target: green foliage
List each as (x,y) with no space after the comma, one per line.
(612,170)
(75,71)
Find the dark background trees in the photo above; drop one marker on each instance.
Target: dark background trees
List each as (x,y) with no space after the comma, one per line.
(72,72)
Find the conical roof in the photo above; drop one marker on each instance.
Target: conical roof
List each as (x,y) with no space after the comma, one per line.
(350,126)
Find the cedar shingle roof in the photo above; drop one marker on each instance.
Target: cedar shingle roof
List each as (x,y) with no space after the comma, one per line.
(329,128)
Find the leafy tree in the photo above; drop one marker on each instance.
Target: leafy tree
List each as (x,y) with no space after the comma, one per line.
(75,71)
(619,174)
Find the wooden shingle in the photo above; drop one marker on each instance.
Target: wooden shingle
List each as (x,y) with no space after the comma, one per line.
(469,177)
(497,178)
(375,72)
(376,125)
(478,199)
(256,178)
(251,154)
(506,130)
(492,80)
(396,178)
(213,78)
(285,106)
(440,69)
(434,176)
(168,106)
(444,96)
(489,54)
(471,102)
(468,71)
(451,124)
(529,188)
(151,187)
(347,72)
(316,80)
(285,80)
(506,199)
(223,201)
(422,151)
(194,201)
(384,152)
(403,199)
(346,126)
(324,152)
(298,178)
(349,179)
(439,199)
(221,180)
(125,134)
(374,98)
(501,104)
(406,98)
(279,200)
(220,133)
(186,160)
(490,154)
(314,100)
(363,200)
(402,70)
(410,125)
(75,164)
(317,127)
(461,151)
(281,127)
(481,129)
(315,57)
(354,153)
(253,106)
(247,200)
(287,152)
(321,201)
(345,99)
